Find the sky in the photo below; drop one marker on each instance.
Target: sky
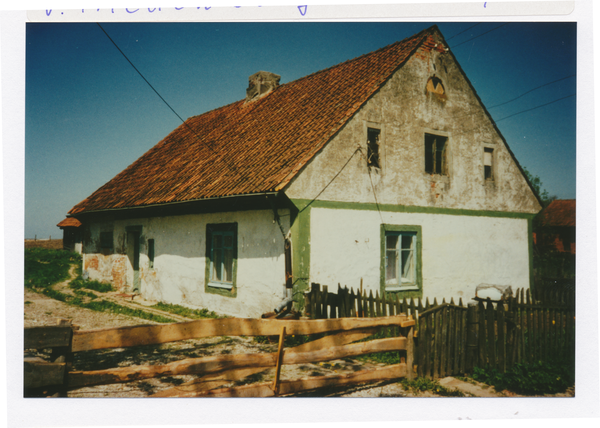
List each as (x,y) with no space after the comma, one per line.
(89,114)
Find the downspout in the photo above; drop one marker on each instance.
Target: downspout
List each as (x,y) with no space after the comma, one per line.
(287,251)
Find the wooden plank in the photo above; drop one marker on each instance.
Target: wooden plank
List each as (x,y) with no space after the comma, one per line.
(219,363)
(421,347)
(437,343)
(309,384)
(47,337)
(279,361)
(501,337)
(444,339)
(410,353)
(325,301)
(371,304)
(215,380)
(38,374)
(482,335)
(205,383)
(491,333)
(122,337)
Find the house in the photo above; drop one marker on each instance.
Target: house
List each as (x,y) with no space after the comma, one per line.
(71,228)
(556,229)
(386,168)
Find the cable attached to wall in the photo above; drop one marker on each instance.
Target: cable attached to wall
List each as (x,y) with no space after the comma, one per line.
(373,188)
(331,181)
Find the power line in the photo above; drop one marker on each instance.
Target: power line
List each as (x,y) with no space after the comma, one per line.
(138,71)
(482,34)
(331,181)
(231,167)
(531,90)
(533,108)
(463,31)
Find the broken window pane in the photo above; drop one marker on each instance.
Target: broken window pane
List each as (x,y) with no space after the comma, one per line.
(488,160)
(435,154)
(373,147)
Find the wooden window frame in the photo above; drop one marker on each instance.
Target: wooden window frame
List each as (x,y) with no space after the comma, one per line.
(433,165)
(212,285)
(414,289)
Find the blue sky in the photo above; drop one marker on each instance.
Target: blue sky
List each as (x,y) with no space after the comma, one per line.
(89,114)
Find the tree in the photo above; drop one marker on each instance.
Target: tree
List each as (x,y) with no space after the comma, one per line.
(536,183)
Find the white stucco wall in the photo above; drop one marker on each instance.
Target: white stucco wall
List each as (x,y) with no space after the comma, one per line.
(459,252)
(178,275)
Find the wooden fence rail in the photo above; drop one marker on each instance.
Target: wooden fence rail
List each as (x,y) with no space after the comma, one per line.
(453,339)
(48,377)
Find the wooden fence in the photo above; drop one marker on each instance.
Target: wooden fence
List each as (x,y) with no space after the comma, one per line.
(453,339)
(57,377)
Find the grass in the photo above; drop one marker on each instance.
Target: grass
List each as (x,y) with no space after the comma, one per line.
(79,283)
(45,268)
(538,378)
(185,312)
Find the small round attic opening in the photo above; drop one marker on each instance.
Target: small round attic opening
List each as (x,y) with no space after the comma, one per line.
(435,85)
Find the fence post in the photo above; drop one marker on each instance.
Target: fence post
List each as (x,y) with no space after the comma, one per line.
(410,353)
(472,329)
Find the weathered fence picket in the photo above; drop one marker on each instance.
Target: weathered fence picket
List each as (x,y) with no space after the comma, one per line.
(453,339)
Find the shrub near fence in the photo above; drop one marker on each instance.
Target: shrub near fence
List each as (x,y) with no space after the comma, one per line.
(453,339)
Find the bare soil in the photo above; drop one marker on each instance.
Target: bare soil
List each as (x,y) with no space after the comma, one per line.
(52,244)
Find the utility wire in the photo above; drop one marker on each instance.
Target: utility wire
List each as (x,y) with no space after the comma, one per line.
(331,181)
(138,71)
(482,34)
(373,189)
(531,90)
(166,103)
(533,108)
(463,31)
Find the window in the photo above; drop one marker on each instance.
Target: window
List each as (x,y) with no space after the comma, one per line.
(106,240)
(373,147)
(435,154)
(488,163)
(401,259)
(221,257)
(151,253)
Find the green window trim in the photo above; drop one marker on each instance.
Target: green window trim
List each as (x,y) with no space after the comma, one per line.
(392,249)
(221,259)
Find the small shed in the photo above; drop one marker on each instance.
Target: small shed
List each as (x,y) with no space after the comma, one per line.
(72,235)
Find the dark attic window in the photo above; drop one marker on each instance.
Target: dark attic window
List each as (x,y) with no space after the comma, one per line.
(373,147)
(435,154)
(488,163)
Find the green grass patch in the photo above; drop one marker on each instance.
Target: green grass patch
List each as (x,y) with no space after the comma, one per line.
(529,379)
(44,267)
(185,312)
(422,384)
(79,283)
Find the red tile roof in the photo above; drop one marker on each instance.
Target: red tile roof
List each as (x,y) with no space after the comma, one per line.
(69,222)
(560,212)
(254,147)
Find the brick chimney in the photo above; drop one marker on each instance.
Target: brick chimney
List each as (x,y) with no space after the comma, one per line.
(260,84)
